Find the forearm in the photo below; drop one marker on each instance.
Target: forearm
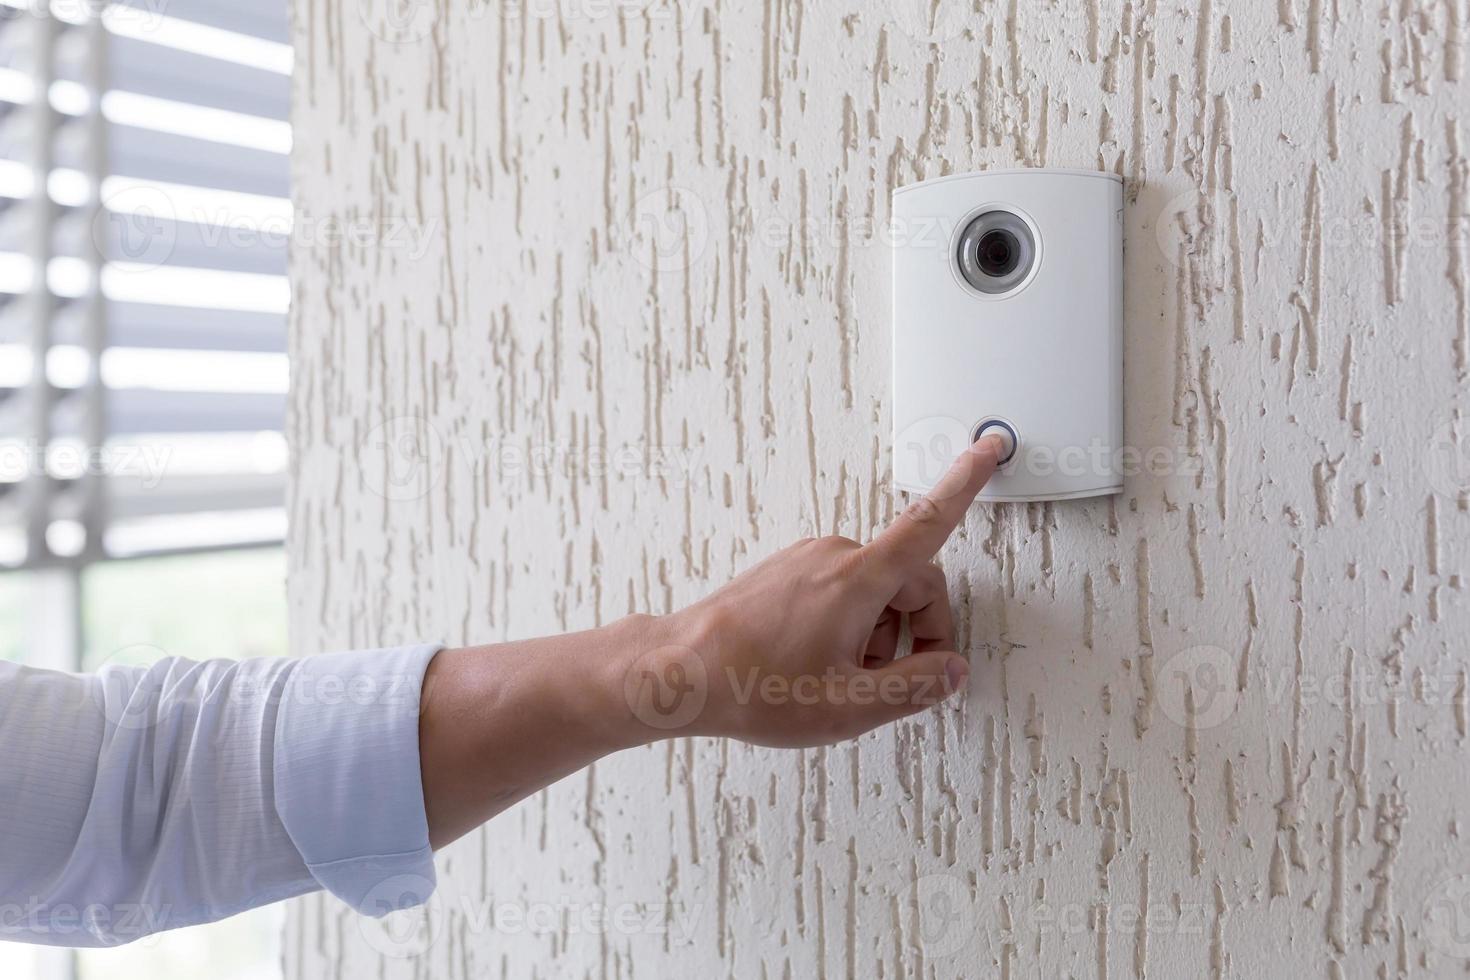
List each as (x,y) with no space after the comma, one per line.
(803,649)
(193,791)
(501,722)
(161,797)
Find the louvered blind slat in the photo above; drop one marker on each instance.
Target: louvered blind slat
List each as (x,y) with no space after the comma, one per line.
(196,220)
(264,20)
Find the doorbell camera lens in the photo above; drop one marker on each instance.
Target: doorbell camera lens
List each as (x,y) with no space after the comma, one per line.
(996,252)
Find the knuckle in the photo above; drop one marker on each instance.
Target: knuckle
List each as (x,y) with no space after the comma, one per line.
(842,557)
(716,622)
(922,511)
(853,563)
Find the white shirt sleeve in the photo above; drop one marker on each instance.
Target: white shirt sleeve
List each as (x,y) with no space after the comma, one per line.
(142,799)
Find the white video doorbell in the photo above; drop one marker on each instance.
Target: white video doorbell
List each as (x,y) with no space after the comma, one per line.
(1008,318)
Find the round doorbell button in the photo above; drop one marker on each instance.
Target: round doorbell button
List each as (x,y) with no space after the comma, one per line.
(1007,433)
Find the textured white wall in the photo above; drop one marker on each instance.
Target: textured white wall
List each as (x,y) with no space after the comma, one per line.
(643,239)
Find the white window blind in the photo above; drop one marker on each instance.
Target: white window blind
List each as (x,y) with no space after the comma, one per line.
(144,220)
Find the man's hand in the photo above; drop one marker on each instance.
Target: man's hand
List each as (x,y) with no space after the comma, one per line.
(800,650)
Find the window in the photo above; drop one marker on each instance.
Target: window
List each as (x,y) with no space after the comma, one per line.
(144,177)
(219,604)
(224,604)
(227,604)
(144,219)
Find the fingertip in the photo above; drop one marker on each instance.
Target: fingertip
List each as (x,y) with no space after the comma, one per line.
(992,446)
(970,472)
(956,673)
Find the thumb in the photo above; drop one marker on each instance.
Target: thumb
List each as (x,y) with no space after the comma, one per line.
(920,680)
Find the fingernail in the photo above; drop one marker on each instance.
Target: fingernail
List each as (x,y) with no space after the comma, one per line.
(992,445)
(957,672)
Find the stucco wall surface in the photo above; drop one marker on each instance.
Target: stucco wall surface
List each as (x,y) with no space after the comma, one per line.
(591,313)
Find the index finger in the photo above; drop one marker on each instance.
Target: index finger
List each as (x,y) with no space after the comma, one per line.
(923,527)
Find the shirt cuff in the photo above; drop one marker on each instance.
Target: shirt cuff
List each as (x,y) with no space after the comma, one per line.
(347,782)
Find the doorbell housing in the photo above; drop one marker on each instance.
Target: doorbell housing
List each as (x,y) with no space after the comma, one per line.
(1008,319)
